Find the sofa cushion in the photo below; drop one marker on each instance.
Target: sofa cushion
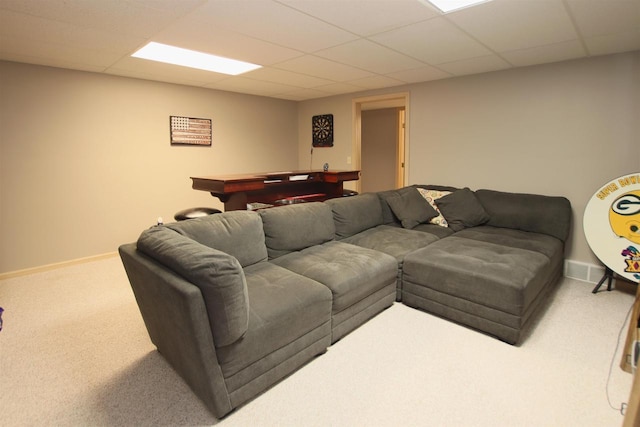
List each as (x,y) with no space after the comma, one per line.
(462,209)
(351,272)
(411,208)
(528,212)
(395,241)
(505,278)
(295,227)
(549,246)
(355,214)
(218,275)
(285,306)
(237,233)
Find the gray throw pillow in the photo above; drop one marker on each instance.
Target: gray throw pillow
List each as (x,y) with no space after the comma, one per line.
(411,208)
(218,275)
(462,209)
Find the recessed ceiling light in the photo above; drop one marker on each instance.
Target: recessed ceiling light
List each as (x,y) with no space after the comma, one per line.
(190,58)
(447,6)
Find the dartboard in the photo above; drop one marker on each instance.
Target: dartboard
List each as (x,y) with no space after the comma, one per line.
(322,130)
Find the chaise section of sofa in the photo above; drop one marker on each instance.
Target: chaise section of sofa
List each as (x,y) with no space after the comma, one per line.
(497,269)
(228,321)
(362,281)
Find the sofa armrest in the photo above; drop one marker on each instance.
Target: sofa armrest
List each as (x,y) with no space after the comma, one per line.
(174,313)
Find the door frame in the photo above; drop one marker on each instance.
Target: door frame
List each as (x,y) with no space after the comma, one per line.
(376,102)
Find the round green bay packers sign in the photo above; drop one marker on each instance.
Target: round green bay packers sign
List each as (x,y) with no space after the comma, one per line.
(612,225)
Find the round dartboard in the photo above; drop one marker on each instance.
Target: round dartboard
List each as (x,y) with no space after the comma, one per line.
(322,130)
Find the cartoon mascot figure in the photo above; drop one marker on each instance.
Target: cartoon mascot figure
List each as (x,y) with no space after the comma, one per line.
(624,216)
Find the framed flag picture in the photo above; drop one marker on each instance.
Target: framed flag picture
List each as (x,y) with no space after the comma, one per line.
(190,131)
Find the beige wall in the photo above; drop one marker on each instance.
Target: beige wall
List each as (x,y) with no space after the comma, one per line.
(86,164)
(557,129)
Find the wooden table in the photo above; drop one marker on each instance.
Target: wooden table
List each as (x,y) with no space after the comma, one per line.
(274,188)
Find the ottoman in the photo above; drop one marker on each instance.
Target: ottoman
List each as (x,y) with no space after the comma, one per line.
(491,287)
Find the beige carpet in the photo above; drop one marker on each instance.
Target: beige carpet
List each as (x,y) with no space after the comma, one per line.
(74,352)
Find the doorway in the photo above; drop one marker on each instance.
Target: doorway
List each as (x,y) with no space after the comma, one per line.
(382,168)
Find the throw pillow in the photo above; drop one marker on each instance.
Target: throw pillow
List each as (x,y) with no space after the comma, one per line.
(462,209)
(411,208)
(431,196)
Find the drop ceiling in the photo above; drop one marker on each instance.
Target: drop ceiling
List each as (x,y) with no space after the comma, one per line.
(314,48)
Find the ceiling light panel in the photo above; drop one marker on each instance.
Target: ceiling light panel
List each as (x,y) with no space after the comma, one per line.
(192,59)
(447,6)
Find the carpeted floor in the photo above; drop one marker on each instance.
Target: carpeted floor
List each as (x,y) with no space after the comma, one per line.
(74,352)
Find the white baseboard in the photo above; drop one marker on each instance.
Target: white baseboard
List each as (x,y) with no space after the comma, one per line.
(583,271)
(49,267)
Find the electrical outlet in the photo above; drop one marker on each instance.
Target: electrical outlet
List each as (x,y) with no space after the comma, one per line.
(348,160)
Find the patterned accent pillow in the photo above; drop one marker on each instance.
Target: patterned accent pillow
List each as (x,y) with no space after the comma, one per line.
(431,196)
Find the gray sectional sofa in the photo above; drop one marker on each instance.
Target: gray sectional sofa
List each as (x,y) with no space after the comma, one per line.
(237,301)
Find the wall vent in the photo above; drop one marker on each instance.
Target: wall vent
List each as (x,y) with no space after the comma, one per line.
(583,271)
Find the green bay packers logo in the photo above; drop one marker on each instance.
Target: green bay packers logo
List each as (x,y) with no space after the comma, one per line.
(624,216)
(612,225)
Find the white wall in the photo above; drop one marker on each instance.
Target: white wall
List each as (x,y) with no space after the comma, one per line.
(86,163)
(556,129)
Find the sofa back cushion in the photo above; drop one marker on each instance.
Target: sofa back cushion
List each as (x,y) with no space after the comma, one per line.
(295,227)
(352,215)
(237,233)
(218,275)
(528,212)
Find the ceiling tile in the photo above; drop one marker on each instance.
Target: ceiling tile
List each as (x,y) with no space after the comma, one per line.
(55,54)
(376,82)
(286,77)
(136,18)
(614,43)
(191,33)
(365,17)
(481,64)
(36,29)
(273,22)
(323,68)
(339,88)
(434,41)
(422,74)
(527,23)
(370,56)
(543,54)
(250,86)
(54,59)
(604,17)
(303,94)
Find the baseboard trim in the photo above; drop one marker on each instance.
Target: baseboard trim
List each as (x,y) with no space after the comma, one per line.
(49,267)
